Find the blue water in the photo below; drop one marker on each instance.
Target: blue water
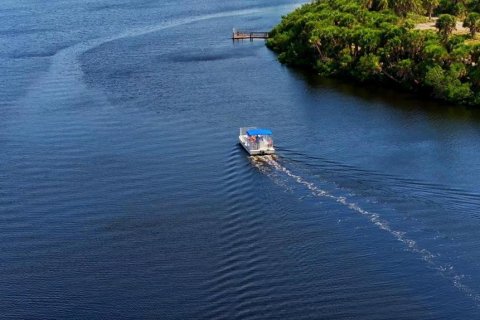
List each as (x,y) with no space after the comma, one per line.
(124,194)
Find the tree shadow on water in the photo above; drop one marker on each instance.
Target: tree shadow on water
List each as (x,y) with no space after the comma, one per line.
(387,95)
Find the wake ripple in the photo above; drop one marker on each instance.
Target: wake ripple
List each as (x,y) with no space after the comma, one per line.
(65,61)
(266,163)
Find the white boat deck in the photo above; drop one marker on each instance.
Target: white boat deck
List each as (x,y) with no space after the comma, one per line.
(256,141)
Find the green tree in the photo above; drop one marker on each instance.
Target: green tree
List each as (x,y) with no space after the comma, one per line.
(447,85)
(368,67)
(381,5)
(472,22)
(367,4)
(445,24)
(368,39)
(414,43)
(435,53)
(363,41)
(474,5)
(378,5)
(404,70)
(461,53)
(454,7)
(403,7)
(475,54)
(429,6)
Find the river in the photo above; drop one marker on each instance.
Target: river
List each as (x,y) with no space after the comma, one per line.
(124,193)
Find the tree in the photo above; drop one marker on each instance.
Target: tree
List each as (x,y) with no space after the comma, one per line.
(378,5)
(472,21)
(381,5)
(446,84)
(368,39)
(367,4)
(454,7)
(461,53)
(414,43)
(363,41)
(474,5)
(445,24)
(403,7)
(435,53)
(368,67)
(404,70)
(430,5)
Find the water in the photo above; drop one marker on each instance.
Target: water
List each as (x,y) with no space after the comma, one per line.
(124,194)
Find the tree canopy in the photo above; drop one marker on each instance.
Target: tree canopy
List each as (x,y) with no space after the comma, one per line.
(446,23)
(375,40)
(472,21)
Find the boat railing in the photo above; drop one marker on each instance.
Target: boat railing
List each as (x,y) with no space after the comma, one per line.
(265,142)
(260,143)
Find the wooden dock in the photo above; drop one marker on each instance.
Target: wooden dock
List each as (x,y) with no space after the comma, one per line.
(242,35)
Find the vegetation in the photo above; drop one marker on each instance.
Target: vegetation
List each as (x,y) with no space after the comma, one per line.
(376,41)
(446,23)
(472,21)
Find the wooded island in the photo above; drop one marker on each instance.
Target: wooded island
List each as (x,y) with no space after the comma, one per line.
(428,46)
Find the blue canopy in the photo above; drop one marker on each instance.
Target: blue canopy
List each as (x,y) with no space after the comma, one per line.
(259,132)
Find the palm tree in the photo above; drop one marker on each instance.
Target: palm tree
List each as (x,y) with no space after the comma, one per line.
(382,5)
(403,7)
(445,24)
(368,4)
(430,5)
(472,21)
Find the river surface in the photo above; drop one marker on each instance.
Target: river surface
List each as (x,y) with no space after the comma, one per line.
(124,194)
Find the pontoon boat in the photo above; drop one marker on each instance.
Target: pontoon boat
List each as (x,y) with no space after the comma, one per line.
(256,141)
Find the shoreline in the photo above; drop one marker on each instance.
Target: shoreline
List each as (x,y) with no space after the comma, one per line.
(355,44)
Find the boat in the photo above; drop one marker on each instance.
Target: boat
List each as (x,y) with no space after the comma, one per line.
(256,141)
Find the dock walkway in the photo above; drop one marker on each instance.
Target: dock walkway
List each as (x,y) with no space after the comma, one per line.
(241,35)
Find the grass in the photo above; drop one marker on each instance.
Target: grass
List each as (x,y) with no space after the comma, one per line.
(473,41)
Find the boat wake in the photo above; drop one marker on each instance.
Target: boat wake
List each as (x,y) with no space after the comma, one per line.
(271,166)
(66,72)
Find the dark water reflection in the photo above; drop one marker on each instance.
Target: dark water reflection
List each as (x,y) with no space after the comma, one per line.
(395,98)
(123,192)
